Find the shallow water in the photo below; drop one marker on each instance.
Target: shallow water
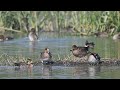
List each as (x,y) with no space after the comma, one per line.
(60,44)
(61,72)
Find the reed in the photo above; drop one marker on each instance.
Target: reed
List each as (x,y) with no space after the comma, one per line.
(81,21)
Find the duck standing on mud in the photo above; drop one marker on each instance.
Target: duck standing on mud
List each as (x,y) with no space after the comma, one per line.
(80,51)
(46,56)
(32,35)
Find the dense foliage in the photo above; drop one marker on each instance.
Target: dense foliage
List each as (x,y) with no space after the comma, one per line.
(79,21)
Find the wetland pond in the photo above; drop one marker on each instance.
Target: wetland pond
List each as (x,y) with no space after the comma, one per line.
(60,44)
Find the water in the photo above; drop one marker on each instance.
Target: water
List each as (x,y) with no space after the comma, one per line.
(61,72)
(59,44)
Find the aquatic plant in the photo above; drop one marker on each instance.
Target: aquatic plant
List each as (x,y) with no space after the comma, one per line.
(84,22)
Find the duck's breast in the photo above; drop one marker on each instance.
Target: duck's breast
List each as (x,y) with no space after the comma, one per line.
(92,59)
(32,37)
(115,37)
(76,52)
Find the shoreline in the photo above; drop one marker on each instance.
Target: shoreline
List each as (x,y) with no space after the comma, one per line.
(74,63)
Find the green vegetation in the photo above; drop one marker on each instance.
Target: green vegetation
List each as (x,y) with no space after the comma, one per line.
(84,22)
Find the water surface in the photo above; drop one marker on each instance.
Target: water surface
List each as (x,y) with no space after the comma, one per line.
(60,44)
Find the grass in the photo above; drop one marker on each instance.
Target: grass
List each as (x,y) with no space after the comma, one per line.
(6,59)
(81,21)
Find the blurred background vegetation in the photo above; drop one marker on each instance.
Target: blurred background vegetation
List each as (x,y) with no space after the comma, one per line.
(85,22)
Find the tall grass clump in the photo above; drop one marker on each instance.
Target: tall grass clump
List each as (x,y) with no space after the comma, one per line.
(85,22)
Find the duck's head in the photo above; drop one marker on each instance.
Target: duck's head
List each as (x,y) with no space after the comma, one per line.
(33,30)
(29,61)
(47,50)
(89,44)
(74,47)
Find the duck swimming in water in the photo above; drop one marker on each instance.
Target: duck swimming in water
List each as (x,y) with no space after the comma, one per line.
(8,38)
(5,38)
(101,34)
(21,64)
(32,35)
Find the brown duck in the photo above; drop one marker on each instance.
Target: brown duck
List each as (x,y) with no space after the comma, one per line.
(79,51)
(101,34)
(3,38)
(46,56)
(29,63)
(32,35)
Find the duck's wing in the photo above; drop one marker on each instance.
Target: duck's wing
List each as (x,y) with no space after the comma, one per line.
(50,55)
(17,64)
(41,54)
(82,49)
(98,57)
(36,36)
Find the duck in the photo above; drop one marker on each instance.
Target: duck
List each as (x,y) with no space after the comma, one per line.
(18,65)
(29,63)
(101,34)
(90,44)
(46,56)
(5,38)
(116,36)
(8,38)
(94,58)
(79,51)
(32,35)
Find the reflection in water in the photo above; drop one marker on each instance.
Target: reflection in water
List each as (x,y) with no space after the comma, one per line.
(80,71)
(86,71)
(46,71)
(17,68)
(24,70)
(93,70)
(61,72)
(30,71)
(60,44)
(32,46)
(20,68)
